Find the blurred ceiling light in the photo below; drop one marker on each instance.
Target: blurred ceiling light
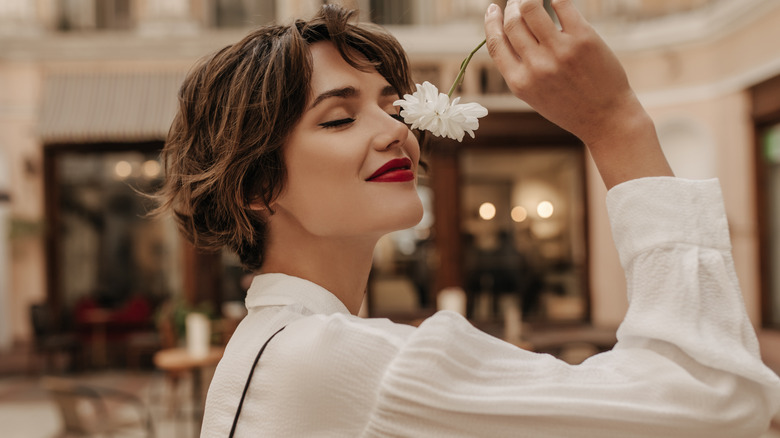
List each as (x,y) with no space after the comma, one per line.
(519,214)
(487,211)
(123,169)
(544,209)
(151,168)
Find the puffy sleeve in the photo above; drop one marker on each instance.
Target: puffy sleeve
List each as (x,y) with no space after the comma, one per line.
(686,363)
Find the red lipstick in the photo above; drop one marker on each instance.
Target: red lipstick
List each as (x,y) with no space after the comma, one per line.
(395,170)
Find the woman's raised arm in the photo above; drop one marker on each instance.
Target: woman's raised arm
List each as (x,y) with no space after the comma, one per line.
(571,77)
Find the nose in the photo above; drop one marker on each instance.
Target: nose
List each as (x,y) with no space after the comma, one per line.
(390,132)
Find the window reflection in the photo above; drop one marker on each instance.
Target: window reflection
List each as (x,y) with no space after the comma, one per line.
(391,12)
(523,234)
(770,157)
(109,253)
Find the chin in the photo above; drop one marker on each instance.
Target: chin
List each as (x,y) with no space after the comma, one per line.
(412,215)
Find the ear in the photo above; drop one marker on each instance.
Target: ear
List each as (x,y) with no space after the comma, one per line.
(257,204)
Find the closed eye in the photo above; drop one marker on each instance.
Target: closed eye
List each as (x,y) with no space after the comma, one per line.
(337,123)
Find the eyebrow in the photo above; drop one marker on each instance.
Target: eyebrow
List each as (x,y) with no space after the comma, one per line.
(349,91)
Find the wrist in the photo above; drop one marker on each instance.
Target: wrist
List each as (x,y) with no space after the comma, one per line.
(628,148)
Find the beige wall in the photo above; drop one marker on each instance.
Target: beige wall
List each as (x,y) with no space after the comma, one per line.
(700,88)
(722,57)
(607,281)
(19,91)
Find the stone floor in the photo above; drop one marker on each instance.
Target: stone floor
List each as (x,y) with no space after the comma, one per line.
(28,411)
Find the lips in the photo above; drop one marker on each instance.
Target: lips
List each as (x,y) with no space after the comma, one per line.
(395,170)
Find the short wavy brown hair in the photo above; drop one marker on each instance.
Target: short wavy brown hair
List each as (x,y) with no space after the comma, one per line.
(236,110)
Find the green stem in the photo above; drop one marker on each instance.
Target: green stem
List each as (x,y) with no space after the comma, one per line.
(462,71)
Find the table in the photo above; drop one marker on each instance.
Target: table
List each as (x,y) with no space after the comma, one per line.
(179,359)
(97,321)
(175,361)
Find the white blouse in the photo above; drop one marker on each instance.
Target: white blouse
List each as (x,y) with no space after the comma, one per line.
(686,363)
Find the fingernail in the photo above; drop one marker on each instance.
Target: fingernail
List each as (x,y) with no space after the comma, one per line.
(492,9)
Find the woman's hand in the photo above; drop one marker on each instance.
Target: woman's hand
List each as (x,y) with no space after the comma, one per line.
(572,78)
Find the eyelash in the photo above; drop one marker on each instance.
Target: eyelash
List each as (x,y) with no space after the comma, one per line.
(337,123)
(342,122)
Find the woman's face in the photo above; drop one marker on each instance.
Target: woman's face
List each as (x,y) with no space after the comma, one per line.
(351,162)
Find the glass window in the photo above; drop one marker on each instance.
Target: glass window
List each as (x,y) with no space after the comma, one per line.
(523,233)
(390,12)
(770,157)
(491,81)
(109,253)
(243,13)
(114,14)
(93,14)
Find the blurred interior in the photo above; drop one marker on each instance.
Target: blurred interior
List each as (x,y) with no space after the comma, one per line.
(515,232)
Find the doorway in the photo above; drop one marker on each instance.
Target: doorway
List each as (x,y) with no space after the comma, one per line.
(523,225)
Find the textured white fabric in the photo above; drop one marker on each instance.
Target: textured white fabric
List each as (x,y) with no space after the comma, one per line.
(686,363)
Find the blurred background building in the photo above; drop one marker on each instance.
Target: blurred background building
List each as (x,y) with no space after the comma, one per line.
(516,217)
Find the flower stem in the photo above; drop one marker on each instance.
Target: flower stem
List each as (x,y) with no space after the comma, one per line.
(462,71)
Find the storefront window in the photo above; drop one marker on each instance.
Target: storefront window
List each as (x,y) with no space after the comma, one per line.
(770,156)
(391,12)
(243,13)
(109,253)
(523,234)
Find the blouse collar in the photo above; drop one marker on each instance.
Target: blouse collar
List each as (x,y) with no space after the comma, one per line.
(281,290)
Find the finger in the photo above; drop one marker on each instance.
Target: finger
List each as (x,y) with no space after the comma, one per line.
(538,20)
(498,46)
(568,15)
(516,31)
(504,56)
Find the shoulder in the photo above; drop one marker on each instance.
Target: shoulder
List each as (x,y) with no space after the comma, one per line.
(339,350)
(318,365)
(322,342)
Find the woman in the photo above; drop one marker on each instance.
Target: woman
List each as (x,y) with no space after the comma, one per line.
(288,149)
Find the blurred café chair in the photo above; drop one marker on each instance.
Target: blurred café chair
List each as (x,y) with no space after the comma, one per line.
(89,410)
(141,345)
(51,338)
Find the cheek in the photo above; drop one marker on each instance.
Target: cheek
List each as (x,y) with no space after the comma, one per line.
(413,147)
(317,173)
(322,163)
(326,196)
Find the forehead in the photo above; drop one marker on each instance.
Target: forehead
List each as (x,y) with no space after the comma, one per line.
(330,70)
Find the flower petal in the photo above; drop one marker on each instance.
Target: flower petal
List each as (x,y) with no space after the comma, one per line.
(432,111)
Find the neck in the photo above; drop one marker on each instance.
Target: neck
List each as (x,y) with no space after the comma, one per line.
(340,265)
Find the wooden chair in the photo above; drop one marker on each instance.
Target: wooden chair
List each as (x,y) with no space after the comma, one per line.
(52,340)
(88,410)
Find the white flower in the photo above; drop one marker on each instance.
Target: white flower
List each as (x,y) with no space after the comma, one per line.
(432,111)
